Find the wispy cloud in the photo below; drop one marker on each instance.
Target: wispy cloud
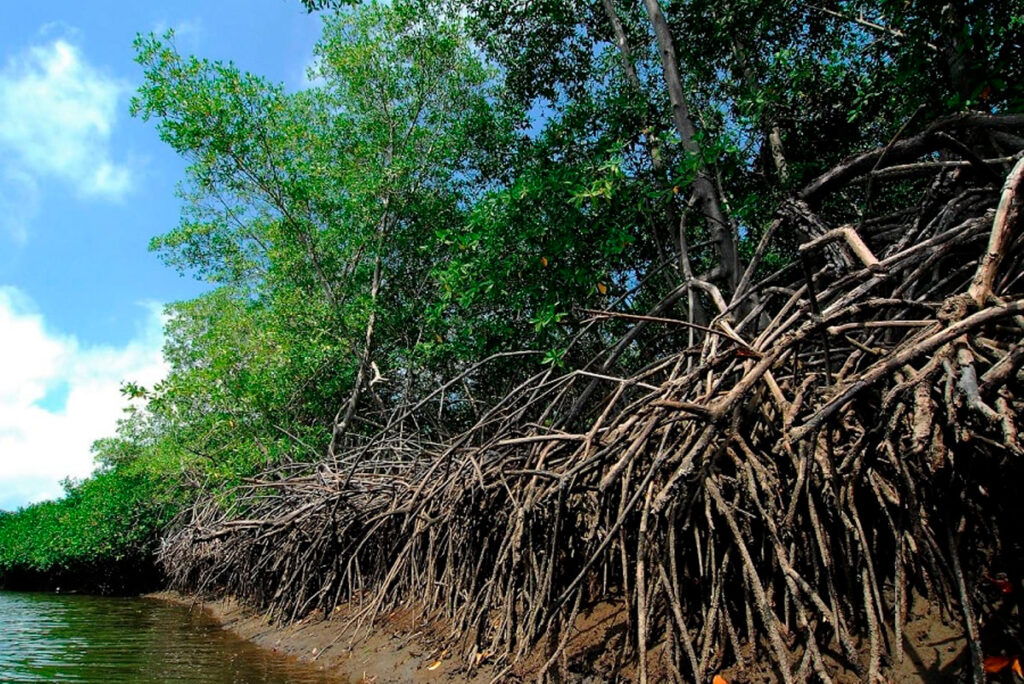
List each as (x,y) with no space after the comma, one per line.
(188,33)
(57,117)
(57,396)
(19,202)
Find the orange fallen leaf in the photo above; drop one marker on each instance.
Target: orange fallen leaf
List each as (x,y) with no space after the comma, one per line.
(544,262)
(1016,668)
(602,288)
(719,679)
(434,665)
(996,663)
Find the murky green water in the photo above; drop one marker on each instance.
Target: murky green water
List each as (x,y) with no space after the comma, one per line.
(62,638)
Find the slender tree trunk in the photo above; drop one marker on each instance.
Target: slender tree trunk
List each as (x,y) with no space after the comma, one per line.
(694,309)
(621,42)
(703,188)
(650,143)
(653,149)
(344,419)
(778,153)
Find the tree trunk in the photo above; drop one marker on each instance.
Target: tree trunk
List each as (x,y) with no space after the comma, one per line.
(702,188)
(653,149)
(341,426)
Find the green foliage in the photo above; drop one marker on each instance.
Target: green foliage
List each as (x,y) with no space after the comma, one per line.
(292,201)
(314,5)
(111,518)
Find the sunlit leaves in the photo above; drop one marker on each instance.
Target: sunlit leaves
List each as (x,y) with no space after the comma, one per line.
(113,517)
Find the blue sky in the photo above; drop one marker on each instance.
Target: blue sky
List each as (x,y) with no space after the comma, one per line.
(83,187)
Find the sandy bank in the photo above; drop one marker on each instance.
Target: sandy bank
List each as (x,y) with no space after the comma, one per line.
(396,651)
(402,649)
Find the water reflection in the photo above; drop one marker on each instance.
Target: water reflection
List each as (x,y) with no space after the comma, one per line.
(62,638)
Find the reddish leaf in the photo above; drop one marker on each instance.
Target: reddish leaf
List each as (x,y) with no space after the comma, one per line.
(996,663)
(1002,584)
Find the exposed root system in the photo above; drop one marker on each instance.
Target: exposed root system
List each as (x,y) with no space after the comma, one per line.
(841,436)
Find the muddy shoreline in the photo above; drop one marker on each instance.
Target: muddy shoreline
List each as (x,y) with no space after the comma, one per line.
(403,648)
(396,651)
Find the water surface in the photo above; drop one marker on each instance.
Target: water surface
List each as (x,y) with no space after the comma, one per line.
(68,638)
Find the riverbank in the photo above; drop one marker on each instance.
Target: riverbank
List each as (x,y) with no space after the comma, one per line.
(398,650)
(404,649)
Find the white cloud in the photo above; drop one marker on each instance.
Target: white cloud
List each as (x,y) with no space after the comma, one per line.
(19,202)
(57,396)
(188,33)
(57,117)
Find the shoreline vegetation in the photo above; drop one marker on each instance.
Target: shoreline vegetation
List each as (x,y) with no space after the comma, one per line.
(649,341)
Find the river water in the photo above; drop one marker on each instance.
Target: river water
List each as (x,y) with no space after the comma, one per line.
(69,638)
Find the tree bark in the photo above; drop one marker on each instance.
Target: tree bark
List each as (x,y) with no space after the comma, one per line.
(341,426)
(703,188)
(658,164)
(1011,206)
(621,42)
